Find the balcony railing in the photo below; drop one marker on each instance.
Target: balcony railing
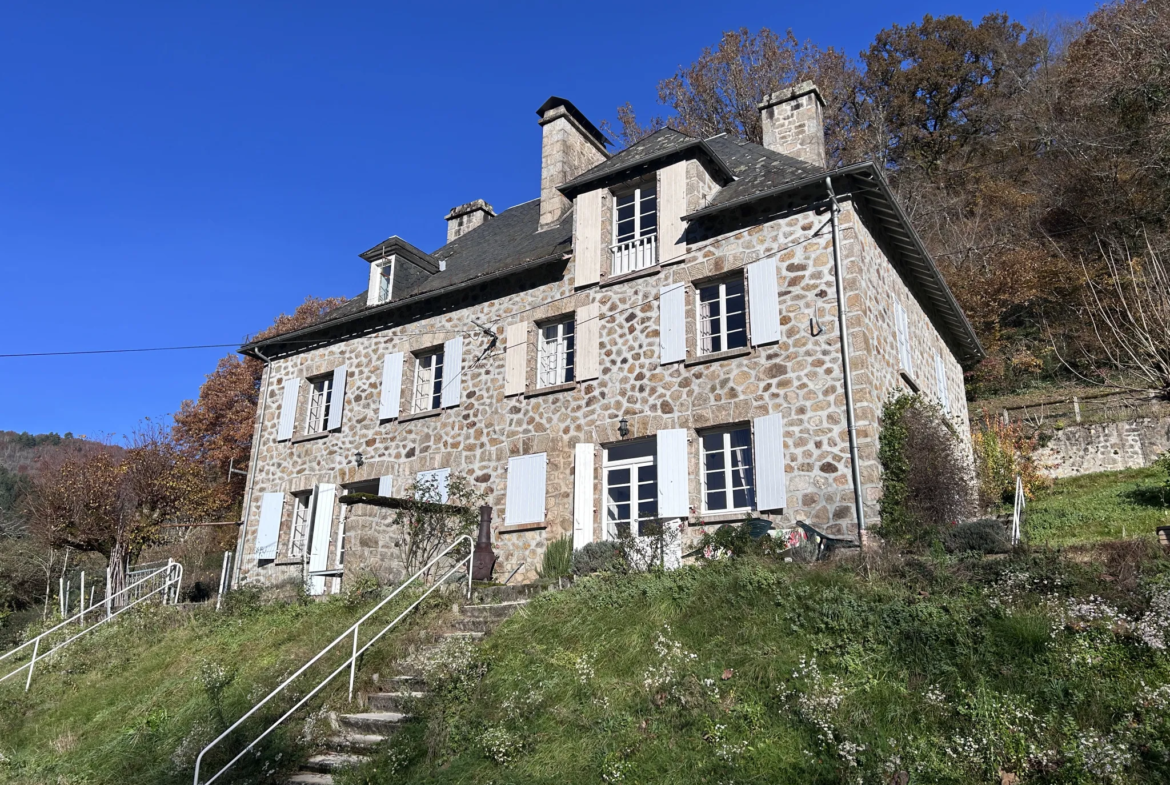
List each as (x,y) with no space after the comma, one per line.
(634,255)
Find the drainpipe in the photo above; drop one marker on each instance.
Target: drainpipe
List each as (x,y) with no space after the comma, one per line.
(850,418)
(252,471)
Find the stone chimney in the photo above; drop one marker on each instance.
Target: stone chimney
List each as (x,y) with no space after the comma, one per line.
(465,217)
(794,123)
(570,146)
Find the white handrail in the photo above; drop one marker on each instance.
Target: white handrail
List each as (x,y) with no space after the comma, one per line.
(350,663)
(174,578)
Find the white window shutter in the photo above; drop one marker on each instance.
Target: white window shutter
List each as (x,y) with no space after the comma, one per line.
(672,326)
(388,408)
(588,344)
(763,302)
(672,206)
(337,405)
(440,478)
(526,489)
(515,358)
(268,528)
(940,378)
(673,485)
(288,410)
(902,324)
(322,531)
(452,373)
(386,485)
(583,493)
(771,487)
(587,238)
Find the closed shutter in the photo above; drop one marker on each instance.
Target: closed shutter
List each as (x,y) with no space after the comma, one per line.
(515,358)
(319,539)
(452,373)
(268,529)
(672,206)
(940,378)
(526,489)
(673,487)
(438,479)
(587,248)
(672,326)
(587,347)
(386,485)
(902,324)
(583,494)
(337,402)
(388,408)
(763,302)
(288,410)
(771,488)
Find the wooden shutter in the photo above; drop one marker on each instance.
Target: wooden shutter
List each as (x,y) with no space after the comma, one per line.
(319,540)
(526,489)
(385,485)
(583,494)
(440,478)
(672,206)
(588,344)
(452,373)
(288,410)
(268,528)
(515,358)
(587,238)
(763,302)
(940,380)
(672,324)
(771,488)
(391,401)
(673,486)
(337,401)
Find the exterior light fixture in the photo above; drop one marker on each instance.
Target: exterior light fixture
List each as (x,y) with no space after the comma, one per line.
(359,459)
(623,427)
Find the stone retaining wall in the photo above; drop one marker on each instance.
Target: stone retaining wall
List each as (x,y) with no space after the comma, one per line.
(1083,449)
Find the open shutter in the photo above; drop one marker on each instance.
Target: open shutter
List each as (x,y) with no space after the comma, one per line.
(583,509)
(587,347)
(526,489)
(386,485)
(439,478)
(319,539)
(288,410)
(672,326)
(771,488)
(268,529)
(763,302)
(673,488)
(587,237)
(902,324)
(452,373)
(388,408)
(337,402)
(515,357)
(672,206)
(940,379)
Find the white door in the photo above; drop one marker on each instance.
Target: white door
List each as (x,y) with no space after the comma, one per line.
(631,487)
(319,537)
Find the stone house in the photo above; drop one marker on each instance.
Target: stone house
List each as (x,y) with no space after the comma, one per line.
(658,335)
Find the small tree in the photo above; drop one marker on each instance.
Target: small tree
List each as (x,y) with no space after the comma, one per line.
(431,524)
(1004,451)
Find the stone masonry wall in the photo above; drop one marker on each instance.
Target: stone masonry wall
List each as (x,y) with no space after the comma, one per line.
(1083,449)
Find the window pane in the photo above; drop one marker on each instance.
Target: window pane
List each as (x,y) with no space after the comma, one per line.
(622,452)
(620,477)
(742,498)
(625,212)
(716,500)
(712,442)
(626,199)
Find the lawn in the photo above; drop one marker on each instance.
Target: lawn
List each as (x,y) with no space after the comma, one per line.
(1094,507)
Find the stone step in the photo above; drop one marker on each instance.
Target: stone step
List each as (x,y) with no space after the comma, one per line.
(327,762)
(353,742)
(392,701)
(470,636)
(381,722)
(310,778)
(496,610)
(475,624)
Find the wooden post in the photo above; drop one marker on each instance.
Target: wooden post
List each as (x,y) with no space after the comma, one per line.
(1076,408)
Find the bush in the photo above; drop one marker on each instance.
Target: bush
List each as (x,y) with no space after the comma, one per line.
(558,560)
(1002,451)
(1163,464)
(985,535)
(604,556)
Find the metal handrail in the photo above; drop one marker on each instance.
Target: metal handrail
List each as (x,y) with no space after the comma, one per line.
(174,579)
(350,663)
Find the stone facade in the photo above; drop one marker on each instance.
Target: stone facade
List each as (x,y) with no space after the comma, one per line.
(793,123)
(1101,447)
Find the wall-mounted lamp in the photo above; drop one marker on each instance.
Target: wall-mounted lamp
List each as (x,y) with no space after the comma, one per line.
(623,427)
(359,459)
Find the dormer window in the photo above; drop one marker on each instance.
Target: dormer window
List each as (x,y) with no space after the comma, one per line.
(385,281)
(635,223)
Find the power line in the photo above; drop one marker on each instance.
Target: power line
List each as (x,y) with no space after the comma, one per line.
(121,351)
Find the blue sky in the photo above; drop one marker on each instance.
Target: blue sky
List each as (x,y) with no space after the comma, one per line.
(180,173)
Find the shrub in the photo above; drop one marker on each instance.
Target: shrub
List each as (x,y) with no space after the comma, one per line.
(985,535)
(604,556)
(558,559)
(1163,463)
(926,478)
(432,523)
(1002,451)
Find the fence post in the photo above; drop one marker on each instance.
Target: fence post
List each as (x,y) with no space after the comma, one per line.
(107,592)
(1076,408)
(223,574)
(31,665)
(353,662)
(81,598)
(61,596)
(1006,419)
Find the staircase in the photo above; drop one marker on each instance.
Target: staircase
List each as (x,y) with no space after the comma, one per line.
(356,735)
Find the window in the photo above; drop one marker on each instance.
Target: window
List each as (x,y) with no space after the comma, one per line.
(635,229)
(320,401)
(728,477)
(385,282)
(428,381)
(722,316)
(302,508)
(433,486)
(631,487)
(557,350)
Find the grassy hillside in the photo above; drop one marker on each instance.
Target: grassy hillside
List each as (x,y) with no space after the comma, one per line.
(1102,506)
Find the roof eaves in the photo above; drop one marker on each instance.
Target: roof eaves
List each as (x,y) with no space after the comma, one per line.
(587,182)
(396,245)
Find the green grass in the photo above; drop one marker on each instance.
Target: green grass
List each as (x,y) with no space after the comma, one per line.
(1102,506)
(134,702)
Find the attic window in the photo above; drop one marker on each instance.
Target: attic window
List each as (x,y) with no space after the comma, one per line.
(385,280)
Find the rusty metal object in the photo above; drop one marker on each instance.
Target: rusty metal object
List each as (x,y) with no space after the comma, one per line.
(484,559)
